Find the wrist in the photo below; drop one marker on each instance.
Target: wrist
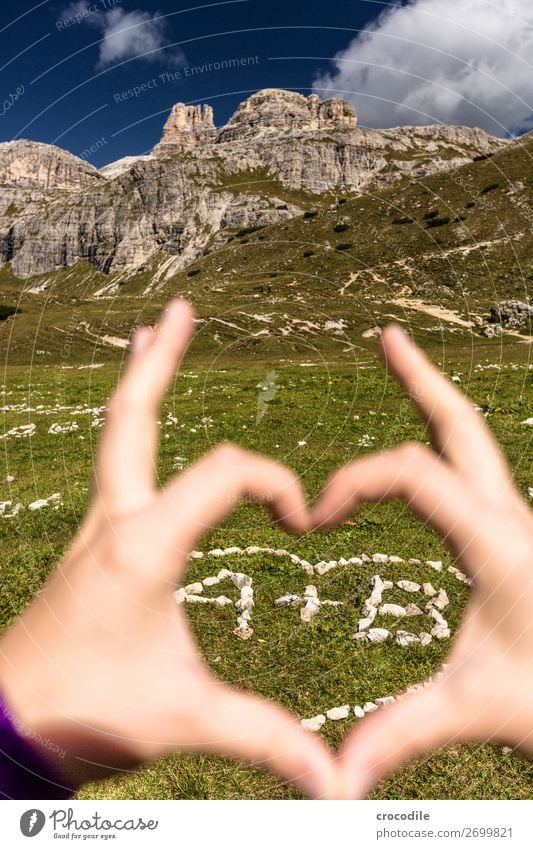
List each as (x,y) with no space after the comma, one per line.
(28,763)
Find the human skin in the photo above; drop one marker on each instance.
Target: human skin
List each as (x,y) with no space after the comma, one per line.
(103,663)
(463,488)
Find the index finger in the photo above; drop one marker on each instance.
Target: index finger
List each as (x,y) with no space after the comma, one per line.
(457,431)
(126,457)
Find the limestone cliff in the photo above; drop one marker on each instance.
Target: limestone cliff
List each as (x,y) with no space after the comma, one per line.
(201,184)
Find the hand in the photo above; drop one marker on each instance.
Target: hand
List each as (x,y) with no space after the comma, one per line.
(103,663)
(464,490)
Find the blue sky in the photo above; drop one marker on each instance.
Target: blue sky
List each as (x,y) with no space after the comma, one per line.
(68,68)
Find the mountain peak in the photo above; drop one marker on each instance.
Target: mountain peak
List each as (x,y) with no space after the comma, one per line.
(270,110)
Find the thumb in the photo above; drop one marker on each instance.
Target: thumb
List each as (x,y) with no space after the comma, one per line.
(261,732)
(415,724)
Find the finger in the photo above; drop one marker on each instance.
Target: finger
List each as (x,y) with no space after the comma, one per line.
(456,429)
(415,724)
(261,732)
(195,502)
(126,457)
(414,474)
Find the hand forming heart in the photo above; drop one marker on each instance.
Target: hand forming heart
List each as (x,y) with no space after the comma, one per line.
(103,662)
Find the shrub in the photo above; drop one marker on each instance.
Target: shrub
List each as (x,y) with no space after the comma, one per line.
(193,272)
(341,228)
(490,188)
(404,220)
(431,214)
(6,311)
(245,231)
(481,156)
(341,201)
(310,213)
(308,253)
(437,222)
(471,204)
(344,246)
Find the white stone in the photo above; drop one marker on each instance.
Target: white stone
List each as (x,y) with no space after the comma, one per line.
(216,552)
(392,610)
(197,599)
(393,558)
(414,561)
(385,700)
(359,712)
(405,638)
(361,636)
(311,591)
(179,595)
(313,724)
(289,600)
(246,601)
(441,632)
(196,555)
(370,707)
(211,581)
(10,479)
(425,638)
(310,610)
(380,558)
(429,589)
(413,610)
(355,561)
(437,616)
(378,635)
(241,580)
(194,589)
(408,586)
(322,568)
(435,564)
(243,632)
(337,713)
(375,597)
(441,600)
(53,501)
(224,573)
(364,624)
(222,601)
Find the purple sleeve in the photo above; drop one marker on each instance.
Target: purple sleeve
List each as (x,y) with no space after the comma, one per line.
(24,772)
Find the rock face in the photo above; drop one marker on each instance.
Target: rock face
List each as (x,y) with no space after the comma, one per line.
(198,187)
(187,127)
(30,165)
(511,315)
(275,111)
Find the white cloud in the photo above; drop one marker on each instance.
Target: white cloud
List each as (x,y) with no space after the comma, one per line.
(125,35)
(455,61)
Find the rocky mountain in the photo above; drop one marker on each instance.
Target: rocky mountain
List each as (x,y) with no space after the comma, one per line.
(279,154)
